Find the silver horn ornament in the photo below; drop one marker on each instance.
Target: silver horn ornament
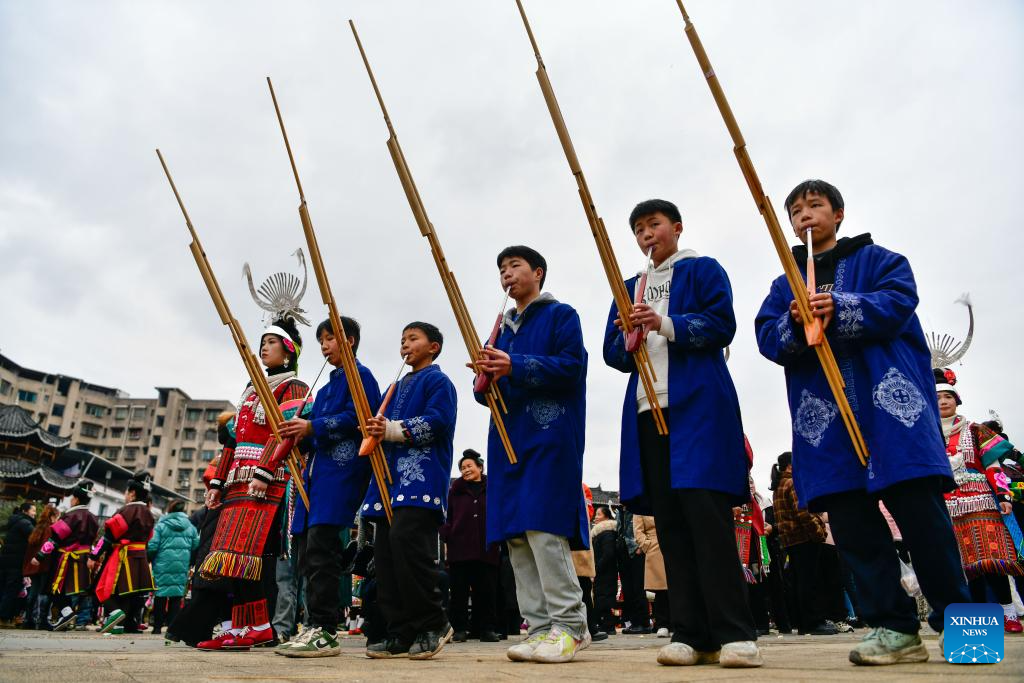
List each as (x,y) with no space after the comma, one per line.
(945,348)
(281,293)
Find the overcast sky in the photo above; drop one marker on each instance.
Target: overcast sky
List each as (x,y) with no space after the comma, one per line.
(913,109)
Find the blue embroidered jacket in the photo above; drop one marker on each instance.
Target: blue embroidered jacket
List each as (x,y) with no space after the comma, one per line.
(881,352)
(705,430)
(335,476)
(546,396)
(426,403)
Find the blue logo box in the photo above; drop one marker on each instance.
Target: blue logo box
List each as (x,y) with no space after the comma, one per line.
(974,633)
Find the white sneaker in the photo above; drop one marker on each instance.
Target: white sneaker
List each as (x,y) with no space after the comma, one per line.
(742,654)
(523,652)
(662,632)
(681,654)
(560,646)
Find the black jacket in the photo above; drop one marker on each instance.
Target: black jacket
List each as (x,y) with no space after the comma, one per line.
(19,528)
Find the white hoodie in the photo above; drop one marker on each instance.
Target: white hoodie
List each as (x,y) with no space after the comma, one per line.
(659,287)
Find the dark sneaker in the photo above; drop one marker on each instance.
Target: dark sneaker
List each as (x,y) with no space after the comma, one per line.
(598,636)
(65,620)
(636,630)
(319,644)
(387,649)
(430,643)
(460,637)
(489,637)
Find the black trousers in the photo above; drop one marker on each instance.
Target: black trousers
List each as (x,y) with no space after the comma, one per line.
(131,605)
(481,580)
(707,591)
(635,609)
(165,610)
(776,588)
(805,563)
(205,609)
(866,544)
(408,576)
(999,584)
(606,586)
(662,615)
(587,586)
(318,550)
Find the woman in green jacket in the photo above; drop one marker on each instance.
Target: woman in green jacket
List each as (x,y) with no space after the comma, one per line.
(170,550)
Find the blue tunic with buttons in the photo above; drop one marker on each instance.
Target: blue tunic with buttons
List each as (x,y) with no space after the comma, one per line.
(885,362)
(335,476)
(426,403)
(546,399)
(706,448)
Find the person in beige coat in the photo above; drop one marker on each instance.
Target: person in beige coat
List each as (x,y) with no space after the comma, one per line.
(654,570)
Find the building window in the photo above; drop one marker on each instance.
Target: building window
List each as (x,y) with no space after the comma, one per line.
(58,410)
(193,415)
(187,454)
(5,387)
(116,432)
(27,396)
(102,512)
(199,476)
(152,461)
(210,435)
(111,453)
(198,495)
(91,431)
(135,433)
(189,434)
(159,420)
(211,414)
(208,456)
(120,412)
(95,410)
(130,454)
(54,429)
(156,440)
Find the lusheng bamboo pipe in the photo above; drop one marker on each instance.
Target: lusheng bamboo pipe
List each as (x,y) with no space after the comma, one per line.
(623,302)
(789,267)
(378,461)
(252,365)
(492,396)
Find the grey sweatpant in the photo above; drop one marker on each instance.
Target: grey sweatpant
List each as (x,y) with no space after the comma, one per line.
(546,586)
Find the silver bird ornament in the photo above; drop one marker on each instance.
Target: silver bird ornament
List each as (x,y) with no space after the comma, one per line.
(281,293)
(945,348)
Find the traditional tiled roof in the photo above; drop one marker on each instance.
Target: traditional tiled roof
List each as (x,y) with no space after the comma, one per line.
(17,423)
(12,468)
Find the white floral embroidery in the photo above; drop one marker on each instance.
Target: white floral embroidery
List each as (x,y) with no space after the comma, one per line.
(426,498)
(401,497)
(344,452)
(849,314)
(545,411)
(785,332)
(437,501)
(420,429)
(377,506)
(813,417)
(533,367)
(409,466)
(898,396)
(331,422)
(366,507)
(696,327)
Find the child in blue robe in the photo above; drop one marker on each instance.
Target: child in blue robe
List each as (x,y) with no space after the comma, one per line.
(866,298)
(537,504)
(691,478)
(417,430)
(335,479)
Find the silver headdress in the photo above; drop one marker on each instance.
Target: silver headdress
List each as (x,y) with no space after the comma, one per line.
(945,349)
(281,293)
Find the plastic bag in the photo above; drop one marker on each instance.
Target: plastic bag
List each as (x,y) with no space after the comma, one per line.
(908,580)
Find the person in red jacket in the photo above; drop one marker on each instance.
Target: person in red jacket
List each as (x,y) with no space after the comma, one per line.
(472,564)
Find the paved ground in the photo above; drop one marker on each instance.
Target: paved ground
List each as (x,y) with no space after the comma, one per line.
(28,656)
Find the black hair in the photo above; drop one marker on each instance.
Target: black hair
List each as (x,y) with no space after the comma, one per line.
(26,506)
(470,454)
(433,334)
(607,510)
(288,325)
(826,190)
(140,483)
(653,206)
(531,256)
(784,461)
(176,506)
(350,325)
(82,493)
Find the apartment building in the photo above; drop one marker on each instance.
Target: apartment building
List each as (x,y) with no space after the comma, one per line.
(173,436)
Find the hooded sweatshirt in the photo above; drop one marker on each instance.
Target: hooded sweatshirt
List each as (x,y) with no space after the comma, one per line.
(659,286)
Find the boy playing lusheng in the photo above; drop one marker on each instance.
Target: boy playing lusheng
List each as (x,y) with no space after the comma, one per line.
(417,432)
(335,478)
(868,295)
(537,505)
(692,478)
